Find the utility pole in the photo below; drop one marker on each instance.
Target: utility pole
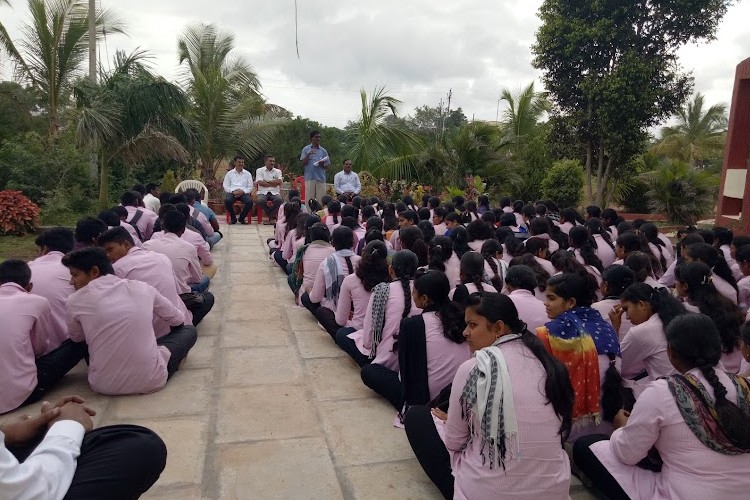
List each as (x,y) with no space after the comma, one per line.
(447,113)
(93,165)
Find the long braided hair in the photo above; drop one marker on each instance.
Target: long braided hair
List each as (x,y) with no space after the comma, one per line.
(472,269)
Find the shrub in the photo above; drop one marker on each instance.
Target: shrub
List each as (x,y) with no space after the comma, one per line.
(18,214)
(168,182)
(564,183)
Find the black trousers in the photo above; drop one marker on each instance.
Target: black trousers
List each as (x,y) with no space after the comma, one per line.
(246,201)
(201,310)
(280,261)
(179,342)
(383,381)
(120,462)
(327,318)
(350,347)
(593,468)
(309,304)
(53,366)
(429,448)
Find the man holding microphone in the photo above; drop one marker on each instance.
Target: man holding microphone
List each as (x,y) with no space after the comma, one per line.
(315,161)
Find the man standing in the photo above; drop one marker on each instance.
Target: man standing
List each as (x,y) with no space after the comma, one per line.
(268,180)
(238,183)
(151,199)
(315,160)
(347,182)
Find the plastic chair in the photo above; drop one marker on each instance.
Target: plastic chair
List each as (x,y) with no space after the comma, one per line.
(192,184)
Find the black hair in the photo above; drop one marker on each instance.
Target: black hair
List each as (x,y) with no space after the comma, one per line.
(423,213)
(637,223)
(449,207)
(651,233)
(539,226)
(88,230)
(489,218)
(490,249)
(541,209)
(595,226)
(140,189)
(292,210)
(292,194)
(740,241)
(566,262)
(425,199)
(723,235)
(471,209)
(528,260)
(349,222)
(410,215)
(368,211)
(452,217)
(632,242)
(374,222)
(707,234)
(714,259)
(572,216)
(184,210)
(697,342)
(373,266)
(319,232)
(439,211)
(174,222)
(594,212)
(618,278)
(412,239)
(528,211)
(349,211)
(686,241)
(484,201)
(440,250)
(299,225)
(189,196)
(58,239)
(534,245)
(508,220)
(164,208)
(479,230)
(334,211)
(609,217)
(374,235)
(117,235)
(581,240)
(435,285)
(428,230)
(238,157)
(745,333)
(702,293)
(389,222)
(573,286)
(343,199)
(504,202)
(401,206)
(151,186)
(641,264)
(177,198)
(313,133)
(109,217)
(521,277)
(405,264)
(309,223)
(661,301)
(342,238)
(121,211)
(557,386)
(15,271)
(460,241)
(623,227)
(517,206)
(88,258)
(326,199)
(472,269)
(743,254)
(408,201)
(314,205)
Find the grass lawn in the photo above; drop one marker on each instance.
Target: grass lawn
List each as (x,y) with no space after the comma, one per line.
(17,247)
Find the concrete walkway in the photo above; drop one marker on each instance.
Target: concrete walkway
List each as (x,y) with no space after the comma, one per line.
(266,406)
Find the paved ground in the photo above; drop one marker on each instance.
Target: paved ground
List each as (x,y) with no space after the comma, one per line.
(266,406)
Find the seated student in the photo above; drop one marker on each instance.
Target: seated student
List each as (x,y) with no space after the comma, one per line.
(323,298)
(293,240)
(428,230)
(409,202)
(87,232)
(431,347)
(438,220)
(584,248)
(663,252)
(495,267)
(406,219)
(151,197)
(58,454)
(140,218)
(579,337)
(284,224)
(122,213)
(742,256)
(540,272)
(520,283)
(28,369)
(644,348)
(483,205)
(115,317)
(565,261)
(308,258)
(52,280)
(723,238)
(721,275)
(442,258)
(133,263)
(629,242)
(452,221)
(523,396)
(693,424)
(205,216)
(472,278)
(539,228)
(737,242)
(389,303)
(193,223)
(593,212)
(460,238)
(602,243)
(112,219)
(615,280)
(539,248)
(610,221)
(490,219)
(680,251)
(423,213)
(478,232)
(201,246)
(696,288)
(356,290)
(640,263)
(745,349)
(353,213)
(470,214)
(333,218)
(412,238)
(432,203)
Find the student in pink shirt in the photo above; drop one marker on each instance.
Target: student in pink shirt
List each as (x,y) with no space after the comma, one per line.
(520,283)
(478,232)
(540,228)
(333,219)
(743,285)
(495,267)
(661,251)
(584,248)
(309,257)
(605,248)
(28,368)
(431,347)
(438,221)
(141,219)
(293,240)
(133,263)
(615,280)
(510,408)
(193,237)
(405,219)
(112,219)
(722,276)
(702,441)
(539,248)
(52,280)
(541,273)
(114,316)
(87,232)
(442,258)
(472,278)
(413,239)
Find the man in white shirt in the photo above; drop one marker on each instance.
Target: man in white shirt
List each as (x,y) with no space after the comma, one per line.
(268,179)
(151,198)
(58,454)
(347,182)
(238,183)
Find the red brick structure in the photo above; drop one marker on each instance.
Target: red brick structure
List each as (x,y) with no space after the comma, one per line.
(734,194)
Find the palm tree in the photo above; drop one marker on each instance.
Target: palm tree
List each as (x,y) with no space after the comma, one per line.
(525,111)
(6,43)
(227,108)
(131,116)
(54,45)
(378,147)
(699,134)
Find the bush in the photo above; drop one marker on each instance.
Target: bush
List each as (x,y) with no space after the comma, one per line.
(564,183)
(683,194)
(18,214)
(168,182)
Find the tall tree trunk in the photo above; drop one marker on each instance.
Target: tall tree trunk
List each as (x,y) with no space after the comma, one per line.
(600,175)
(604,182)
(104,184)
(589,182)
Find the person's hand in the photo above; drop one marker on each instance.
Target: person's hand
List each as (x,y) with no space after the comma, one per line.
(615,316)
(76,412)
(27,428)
(440,414)
(621,419)
(238,192)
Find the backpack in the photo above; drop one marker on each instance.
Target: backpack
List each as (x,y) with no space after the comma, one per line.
(136,217)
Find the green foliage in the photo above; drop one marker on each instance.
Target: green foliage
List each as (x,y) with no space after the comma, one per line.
(168,182)
(18,214)
(680,192)
(369,184)
(535,162)
(19,111)
(564,183)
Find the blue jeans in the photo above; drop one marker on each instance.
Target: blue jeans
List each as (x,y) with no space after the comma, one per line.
(245,199)
(273,210)
(201,286)
(213,239)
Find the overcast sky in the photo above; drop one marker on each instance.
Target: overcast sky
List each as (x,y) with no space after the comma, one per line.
(419,49)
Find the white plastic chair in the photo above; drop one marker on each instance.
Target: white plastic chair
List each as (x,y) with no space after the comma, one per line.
(193,184)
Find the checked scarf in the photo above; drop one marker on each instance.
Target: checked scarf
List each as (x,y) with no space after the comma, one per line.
(379,299)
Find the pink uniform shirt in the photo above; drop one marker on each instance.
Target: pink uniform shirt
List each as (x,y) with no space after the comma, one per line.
(353,293)
(184,258)
(51,280)
(314,255)
(645,348)
(453,270)
(317,294)
(743,286)
(145,223)
(530,309)
(604,307)
(195,239)
(604,251)
(472,288)
(443,355)
(26,325)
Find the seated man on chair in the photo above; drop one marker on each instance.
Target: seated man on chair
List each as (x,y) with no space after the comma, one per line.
(238,183)
(268,181)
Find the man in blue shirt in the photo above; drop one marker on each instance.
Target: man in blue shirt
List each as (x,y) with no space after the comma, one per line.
(315,161)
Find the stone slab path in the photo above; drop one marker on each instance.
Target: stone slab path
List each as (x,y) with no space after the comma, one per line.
(266,406)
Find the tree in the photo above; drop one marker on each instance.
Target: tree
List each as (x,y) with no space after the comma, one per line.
(377,147)
(611,67)
(524,113)
(564,183)
(6,44)
(699,134)
(131,116)
(19,111)
(54,45)
(227,107)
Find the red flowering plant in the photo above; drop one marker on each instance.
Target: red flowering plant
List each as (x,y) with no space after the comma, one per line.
(18,214)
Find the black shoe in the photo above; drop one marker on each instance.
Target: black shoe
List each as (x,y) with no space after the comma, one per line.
(234,221)
(243,221)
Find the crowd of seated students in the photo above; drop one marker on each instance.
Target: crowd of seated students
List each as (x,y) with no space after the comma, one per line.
(124,292)
(505,336)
